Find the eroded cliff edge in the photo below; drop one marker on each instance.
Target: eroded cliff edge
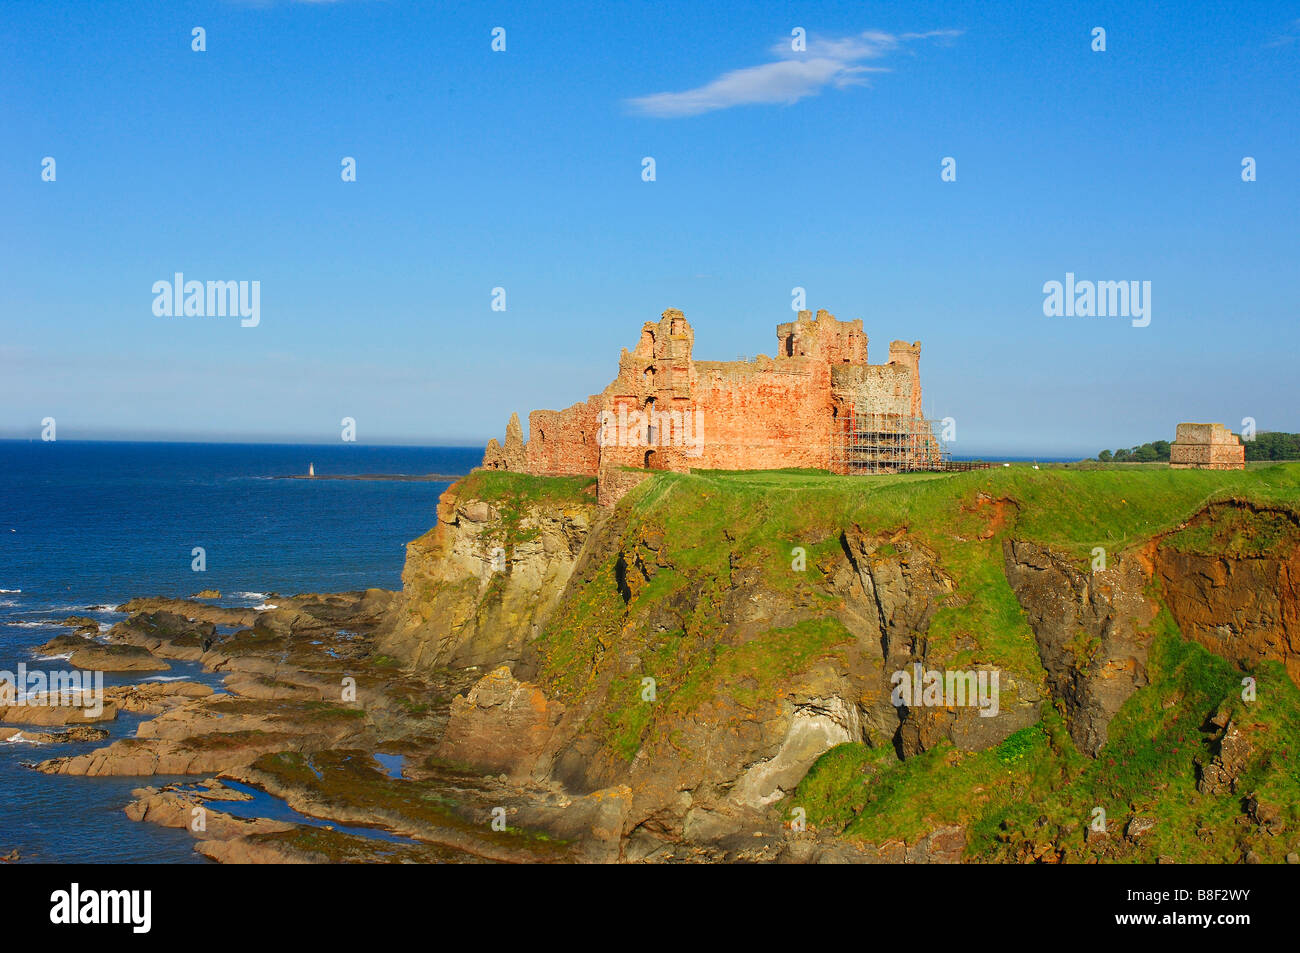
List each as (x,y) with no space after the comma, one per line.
(715,657)
(482,582)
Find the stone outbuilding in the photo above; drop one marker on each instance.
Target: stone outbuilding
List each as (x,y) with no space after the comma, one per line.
(1207,447)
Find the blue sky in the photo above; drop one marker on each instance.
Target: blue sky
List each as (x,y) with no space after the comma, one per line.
(522,169)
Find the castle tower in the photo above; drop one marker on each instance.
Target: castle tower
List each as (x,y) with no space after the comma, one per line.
(825,338)
(909,355)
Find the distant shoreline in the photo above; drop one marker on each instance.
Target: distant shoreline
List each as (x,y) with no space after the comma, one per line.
(395,477)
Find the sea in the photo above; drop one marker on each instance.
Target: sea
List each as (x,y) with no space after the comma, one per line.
(85,526)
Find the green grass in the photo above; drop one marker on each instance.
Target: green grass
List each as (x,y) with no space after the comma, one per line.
(866,794)
(1239,533)
(751,672)
(1149,764)
(1036,787)
(509,488)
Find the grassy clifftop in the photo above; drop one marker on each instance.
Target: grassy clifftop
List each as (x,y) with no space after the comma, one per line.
(705,526)
(1069,509)
(708,519)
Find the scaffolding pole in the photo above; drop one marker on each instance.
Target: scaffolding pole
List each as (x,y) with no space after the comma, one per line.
(890,443)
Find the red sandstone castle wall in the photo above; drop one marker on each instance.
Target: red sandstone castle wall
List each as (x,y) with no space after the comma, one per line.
(824,337)
(564,442)
(763,419)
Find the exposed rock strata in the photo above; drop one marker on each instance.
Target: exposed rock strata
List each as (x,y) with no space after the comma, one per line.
(481,584)
(1089,630)
(1231,578)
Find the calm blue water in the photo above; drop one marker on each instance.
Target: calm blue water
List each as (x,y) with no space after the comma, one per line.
(87,525)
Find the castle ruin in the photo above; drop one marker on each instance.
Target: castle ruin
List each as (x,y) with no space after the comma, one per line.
(818,404)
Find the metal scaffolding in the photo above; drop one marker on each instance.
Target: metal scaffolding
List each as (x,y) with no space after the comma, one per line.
(889,443)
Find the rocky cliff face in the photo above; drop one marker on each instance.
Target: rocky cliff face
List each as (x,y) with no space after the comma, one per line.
(672,682)
(1089,630)
(893,587)
(1231,578)
(483,581)
(695,751)
(693,693)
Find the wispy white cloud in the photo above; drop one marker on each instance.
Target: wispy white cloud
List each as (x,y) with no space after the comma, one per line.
(1289,35)
(827,62)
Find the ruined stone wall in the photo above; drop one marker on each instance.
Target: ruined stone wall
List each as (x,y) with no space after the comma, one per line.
(664,435)
(1208,457)
(874,388)
(825,338)
(893,388)
(564,442)
(764,414)
(1206,447)
(650,411)
(615,481)
(512,456)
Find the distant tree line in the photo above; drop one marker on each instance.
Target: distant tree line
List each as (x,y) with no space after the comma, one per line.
(1265,446)
(1147,453)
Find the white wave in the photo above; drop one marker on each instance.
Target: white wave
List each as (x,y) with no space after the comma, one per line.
(35,625)
(251,595)
(18,739)
(54,658)
(8,603)
(265,606)
(82,610)
(167,678)
(10,590)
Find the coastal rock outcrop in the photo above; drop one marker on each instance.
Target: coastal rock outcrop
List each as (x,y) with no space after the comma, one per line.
(116,658)
(36,713)
(484,580)
(1231,578)
(1089,630)
(73,735)
(501,725)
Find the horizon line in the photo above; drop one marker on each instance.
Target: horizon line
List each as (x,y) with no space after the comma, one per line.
(281,442)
